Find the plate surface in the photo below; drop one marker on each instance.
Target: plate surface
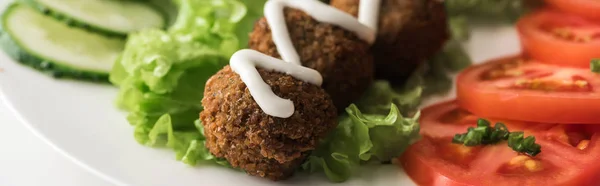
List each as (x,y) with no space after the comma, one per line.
(80,120)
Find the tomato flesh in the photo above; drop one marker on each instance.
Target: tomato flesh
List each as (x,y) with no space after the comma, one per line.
(584,8)
(435,160)
(557,38)
(517,88)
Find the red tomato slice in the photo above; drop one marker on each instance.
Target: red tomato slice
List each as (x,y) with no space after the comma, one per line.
(519,89)
(558,38)
(570,154)
(585,8)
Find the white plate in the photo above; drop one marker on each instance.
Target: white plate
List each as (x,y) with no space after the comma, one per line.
(80,120)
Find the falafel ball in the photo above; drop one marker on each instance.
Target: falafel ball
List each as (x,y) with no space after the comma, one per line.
(409,32)
(238,130)
(343,59)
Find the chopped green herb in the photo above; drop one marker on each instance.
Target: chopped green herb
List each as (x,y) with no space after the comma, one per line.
(519,143)
(485,134)
(595,65)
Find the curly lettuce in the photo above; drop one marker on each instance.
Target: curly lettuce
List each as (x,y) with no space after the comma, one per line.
(461,11)
(187,144)
(384,132)
(161,73)
(431,78)
(595,65)
(488,9)
(360,138)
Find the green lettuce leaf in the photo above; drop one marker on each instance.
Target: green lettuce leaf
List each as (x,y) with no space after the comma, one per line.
(453,57)
(595,65)
(188,145)
(161,73)
(384,133)
(361,138)
(378,97)
(431,78)
(486,11)
(223,22)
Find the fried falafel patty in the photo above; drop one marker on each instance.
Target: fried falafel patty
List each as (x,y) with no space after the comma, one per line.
(409,32)
(343,59)
(238,130)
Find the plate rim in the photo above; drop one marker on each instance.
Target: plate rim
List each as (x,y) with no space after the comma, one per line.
(39,135)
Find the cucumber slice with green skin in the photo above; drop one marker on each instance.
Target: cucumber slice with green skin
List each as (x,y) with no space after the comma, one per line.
(51,46)
(108,17)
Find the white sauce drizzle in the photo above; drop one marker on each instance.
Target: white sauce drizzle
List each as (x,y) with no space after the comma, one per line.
(368,13)
(320,12)
(244,62)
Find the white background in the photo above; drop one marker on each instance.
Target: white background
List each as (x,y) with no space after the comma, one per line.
(25,160)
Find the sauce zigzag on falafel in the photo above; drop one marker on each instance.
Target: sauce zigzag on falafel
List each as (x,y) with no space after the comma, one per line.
(341,55)
(244,63)
(274,15)
(409,32)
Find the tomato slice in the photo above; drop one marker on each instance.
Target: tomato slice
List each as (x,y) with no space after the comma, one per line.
(584,8)
(520,89)
(557,38)
(435,160)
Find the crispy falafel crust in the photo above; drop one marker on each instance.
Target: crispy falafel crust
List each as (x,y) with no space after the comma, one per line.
(238,130)
(344,60)
(410,31)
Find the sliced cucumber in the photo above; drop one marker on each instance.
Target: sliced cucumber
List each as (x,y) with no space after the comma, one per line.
(54,47)
(109,17)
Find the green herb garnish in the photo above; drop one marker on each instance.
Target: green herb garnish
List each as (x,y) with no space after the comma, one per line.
(518,142)
(485,134)
(595,65)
